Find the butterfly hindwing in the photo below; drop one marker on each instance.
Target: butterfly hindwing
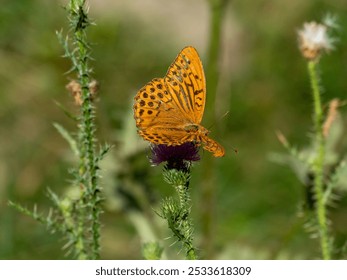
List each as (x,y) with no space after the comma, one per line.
(154,107)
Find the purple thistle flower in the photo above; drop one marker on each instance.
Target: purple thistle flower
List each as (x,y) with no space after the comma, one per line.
(176,157)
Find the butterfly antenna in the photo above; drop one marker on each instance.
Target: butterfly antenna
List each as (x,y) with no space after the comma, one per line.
(220,118)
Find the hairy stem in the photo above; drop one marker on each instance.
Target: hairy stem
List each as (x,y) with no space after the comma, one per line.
(184,200)
(177,213)
(90,200)
(318,164)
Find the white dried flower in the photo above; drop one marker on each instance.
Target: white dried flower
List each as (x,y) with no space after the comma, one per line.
(314,39)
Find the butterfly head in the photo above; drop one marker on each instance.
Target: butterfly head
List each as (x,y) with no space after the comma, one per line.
(196,129)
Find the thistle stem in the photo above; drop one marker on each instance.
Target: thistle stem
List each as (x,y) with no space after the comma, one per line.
(177,213)
(184,199)
(318,164)
(90,208)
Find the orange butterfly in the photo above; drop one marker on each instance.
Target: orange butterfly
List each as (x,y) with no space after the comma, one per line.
(169,110)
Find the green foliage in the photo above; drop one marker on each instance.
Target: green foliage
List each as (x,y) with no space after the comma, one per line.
(263,83)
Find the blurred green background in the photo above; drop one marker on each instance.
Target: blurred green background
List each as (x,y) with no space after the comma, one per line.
(263,84)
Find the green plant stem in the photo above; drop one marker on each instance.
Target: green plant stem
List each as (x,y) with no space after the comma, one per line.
(318,164)
(217,11)
(184,199)
(88,162)
(78,219)
(177,213)
(88,159)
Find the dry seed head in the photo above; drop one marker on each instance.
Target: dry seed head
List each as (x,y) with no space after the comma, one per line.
(75,89)
(314,39)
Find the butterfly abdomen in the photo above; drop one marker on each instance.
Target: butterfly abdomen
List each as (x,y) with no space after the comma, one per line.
(213,147)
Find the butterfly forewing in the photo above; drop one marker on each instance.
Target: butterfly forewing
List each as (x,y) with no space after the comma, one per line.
(186,82)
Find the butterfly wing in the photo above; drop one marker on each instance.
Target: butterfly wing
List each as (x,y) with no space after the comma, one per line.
(158,118)
(185,80)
